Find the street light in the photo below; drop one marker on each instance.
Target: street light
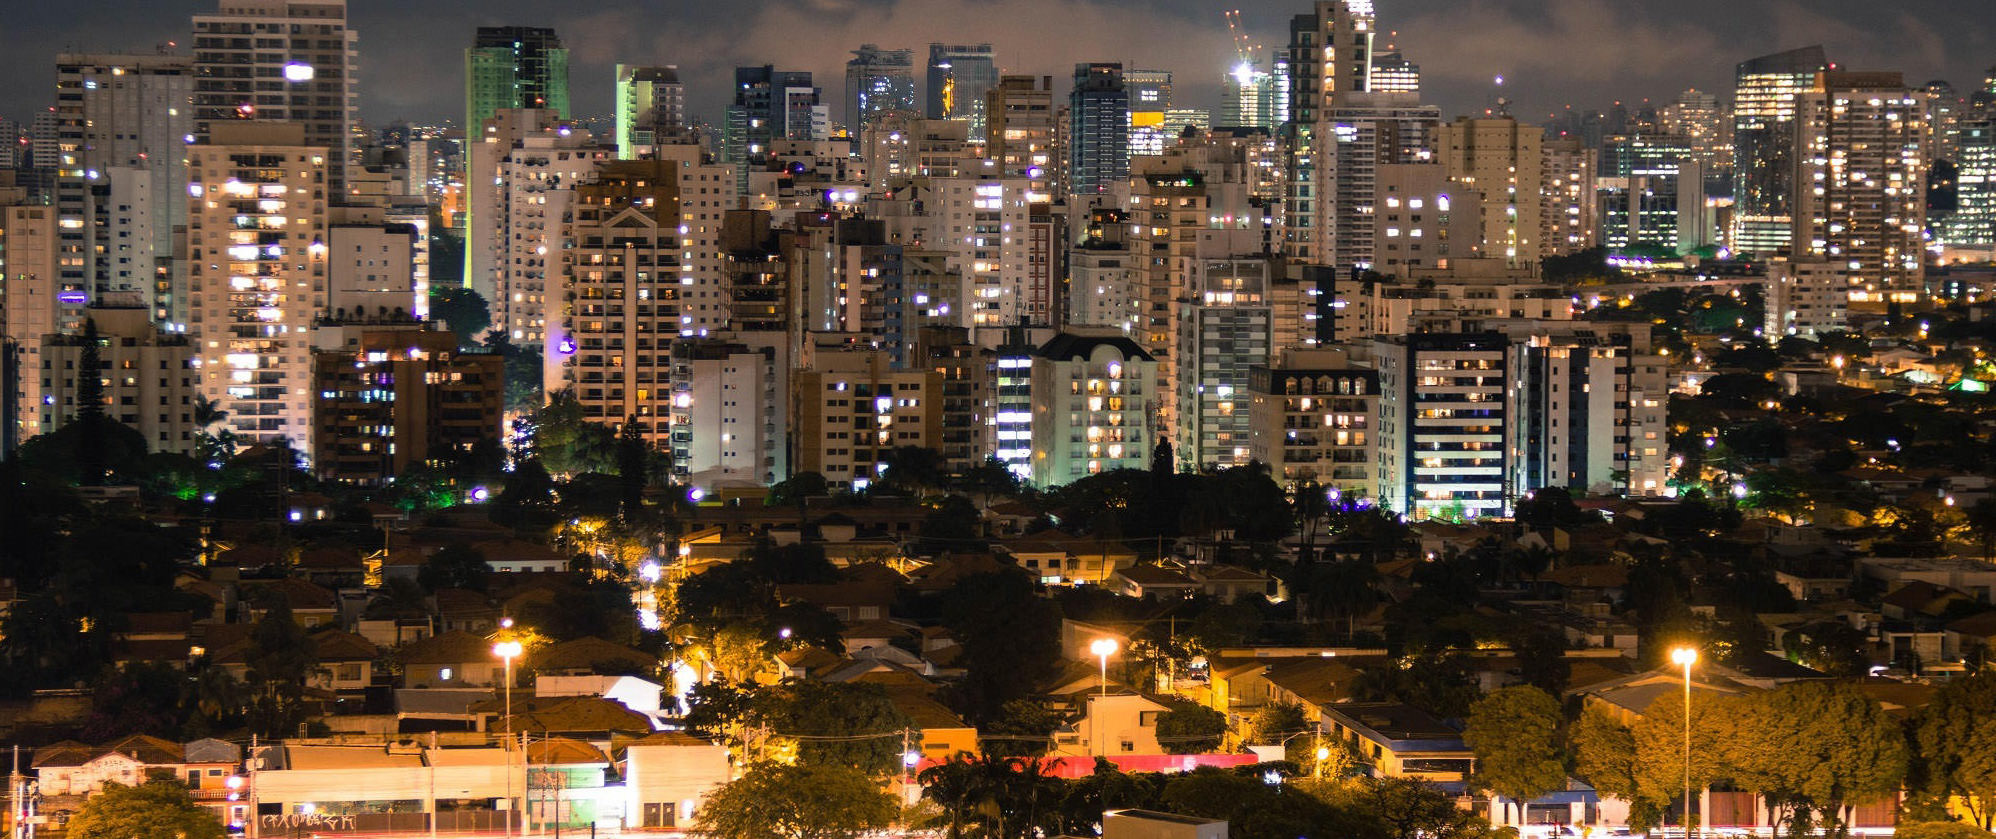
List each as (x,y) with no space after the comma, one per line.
(507,651)
(1685,657)
(1103,648)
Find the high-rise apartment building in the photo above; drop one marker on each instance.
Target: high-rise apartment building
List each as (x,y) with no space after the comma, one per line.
(1764,159)
(1312,414)
(1091,406)
(620,303)
(1098,147)
(1568,214)
(651,108)
(1650,194)
(122,123)
(511,67)
(1441,424)
(770,105)
(256,272)
(959,77)
(1501,159)
(387,396)
(521,174)
(1223,331)
(1248,99)
(288,60)
(878,82)
(1806,297)
(147,378)
(1861,183)
(728,411)
(1019,128)
(1971,230)
(852,409)
(35,301)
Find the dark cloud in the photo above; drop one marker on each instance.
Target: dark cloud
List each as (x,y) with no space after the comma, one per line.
(1551,52)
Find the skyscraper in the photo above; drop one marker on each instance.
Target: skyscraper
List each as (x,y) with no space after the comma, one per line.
(1861,183)
(959,77)
(1697,117)
(878,81)
(514,67)
(1019,131)
(256,272)
(290,60)
(651,105)
(1501,159)
(1393,73)
(770,105)
(1248,98)
(1764,94)
(1098,149)
(122,123)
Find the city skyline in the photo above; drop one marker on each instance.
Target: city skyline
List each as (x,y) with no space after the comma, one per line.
(1581,54)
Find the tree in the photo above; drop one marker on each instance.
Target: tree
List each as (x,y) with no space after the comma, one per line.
(280,657)
(456,565)
(1954,743)
(1189,729)
(1817,747)
(1604,755)
(1274,721)
(462,309)
(804,801)
(159,809)
(1519,745)
(1010,637)
(1404,808)
(631,452)
(851,725)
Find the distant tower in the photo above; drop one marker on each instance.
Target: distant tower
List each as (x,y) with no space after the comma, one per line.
(514,67)
(1764,94)
(306,77)
(878,81)
(960,75)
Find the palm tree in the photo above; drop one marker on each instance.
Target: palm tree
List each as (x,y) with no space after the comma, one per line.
(957,786)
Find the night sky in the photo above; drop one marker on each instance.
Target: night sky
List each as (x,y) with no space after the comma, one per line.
(1550,52)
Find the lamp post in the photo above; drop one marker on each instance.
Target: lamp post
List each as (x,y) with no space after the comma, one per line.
(507,651)
(1685,657)
(1103,648)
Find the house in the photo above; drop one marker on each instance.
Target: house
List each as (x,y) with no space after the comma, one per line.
(461,610)
(1627,698)
(640,695)
(312,605)
(1150,824)
(1153,581)
(590,717)
(591,655)
(567,785)
(454,659)
(667,775)
(346,661)
(1059,558)
(1116,723)
(865,596)
(69,772)
(1228,583)
(942,732)
(1963,637)
(1401,741)
(155,637)
(1921,599)
(518,556)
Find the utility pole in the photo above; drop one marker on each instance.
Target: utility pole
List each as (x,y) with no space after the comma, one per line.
(254,814)
(431,759)
(15,805)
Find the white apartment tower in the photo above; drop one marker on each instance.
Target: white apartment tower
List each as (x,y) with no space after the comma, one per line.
(256,273)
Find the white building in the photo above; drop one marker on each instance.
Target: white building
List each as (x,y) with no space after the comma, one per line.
(1442,424)
(1092,406)
(728,410)
(1861,183)
(1806,297)
(519,177)
(1223,331)
(257,274)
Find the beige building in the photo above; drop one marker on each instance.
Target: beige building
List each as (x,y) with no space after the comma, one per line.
(34,299)
(148,378)
(620,283)
(1861,183)
(852,410)
(256,273)
(1425,220)
(1567,207)
(1313,415)
(1500,158)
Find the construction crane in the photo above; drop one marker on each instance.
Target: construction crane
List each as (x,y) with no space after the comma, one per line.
(1244,49)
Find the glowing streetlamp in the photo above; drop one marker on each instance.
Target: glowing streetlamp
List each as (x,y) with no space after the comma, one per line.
(507,651)
(1103,648)
(1685,657)
(1323,754)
